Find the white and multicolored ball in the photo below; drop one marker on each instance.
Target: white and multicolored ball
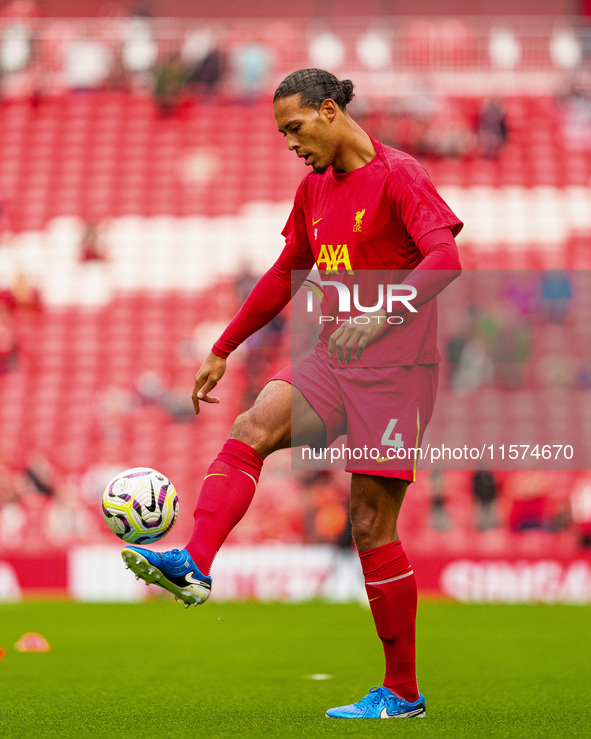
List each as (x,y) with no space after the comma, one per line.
(140,505)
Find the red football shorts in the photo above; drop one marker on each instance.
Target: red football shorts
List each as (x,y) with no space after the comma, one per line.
(383,411)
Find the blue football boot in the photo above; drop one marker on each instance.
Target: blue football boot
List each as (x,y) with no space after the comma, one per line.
(174,571)
(380,703)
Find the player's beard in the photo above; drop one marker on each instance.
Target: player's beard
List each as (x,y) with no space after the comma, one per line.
(319,170)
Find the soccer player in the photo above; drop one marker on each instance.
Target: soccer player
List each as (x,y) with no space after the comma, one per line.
(380,207)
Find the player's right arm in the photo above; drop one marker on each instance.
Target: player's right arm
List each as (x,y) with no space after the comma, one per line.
(266,300)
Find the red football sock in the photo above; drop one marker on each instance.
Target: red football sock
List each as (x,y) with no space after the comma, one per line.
(226,493)
(392,591)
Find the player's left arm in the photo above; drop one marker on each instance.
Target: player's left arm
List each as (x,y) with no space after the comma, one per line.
(431,224)
(440,265)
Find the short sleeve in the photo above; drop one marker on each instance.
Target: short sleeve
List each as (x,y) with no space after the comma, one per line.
(418,204)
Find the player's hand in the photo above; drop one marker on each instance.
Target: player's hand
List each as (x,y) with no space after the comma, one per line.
(354,337)
(210,373)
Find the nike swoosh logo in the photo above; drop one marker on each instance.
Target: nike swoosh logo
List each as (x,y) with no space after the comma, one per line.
(152,506)
(317,221)
(408,714)
(372,599)
(191,579)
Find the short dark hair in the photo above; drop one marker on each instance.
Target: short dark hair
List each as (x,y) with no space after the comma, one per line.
(314,86)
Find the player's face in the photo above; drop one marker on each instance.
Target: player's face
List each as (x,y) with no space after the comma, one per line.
(308,132)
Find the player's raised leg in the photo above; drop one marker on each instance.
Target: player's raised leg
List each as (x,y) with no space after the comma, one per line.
(392,593)
(280,416)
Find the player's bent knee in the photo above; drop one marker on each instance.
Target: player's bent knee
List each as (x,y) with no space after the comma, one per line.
(255,432)
(245,429)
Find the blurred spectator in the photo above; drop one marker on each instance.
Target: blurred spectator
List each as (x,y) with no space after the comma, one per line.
(511,348)
(439,516)
(39,475)
(491,128)
(44,510)
(139,51)
(178,404)
(575,118)
(456,344)
(244,281)
(262,348)
(152,391)
(170,79)
(37,510)
(555,295)
(485,492)
(448,135)
(252,62)
(207,75)
(558,512)
(528,501)
(113,405)
(149,387)
(204,61)
(15,51)
(492,344)
(92,244)
(17,35)
(520,293)
(475,368)
(86,64)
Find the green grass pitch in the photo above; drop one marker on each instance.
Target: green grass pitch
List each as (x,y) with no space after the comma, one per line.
(222,670)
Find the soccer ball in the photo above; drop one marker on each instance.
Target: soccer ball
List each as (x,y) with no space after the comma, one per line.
(140,505)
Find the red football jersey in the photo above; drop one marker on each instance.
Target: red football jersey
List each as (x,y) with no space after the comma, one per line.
(371,218)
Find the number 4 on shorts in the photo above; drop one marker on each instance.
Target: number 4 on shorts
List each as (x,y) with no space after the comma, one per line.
(387,439)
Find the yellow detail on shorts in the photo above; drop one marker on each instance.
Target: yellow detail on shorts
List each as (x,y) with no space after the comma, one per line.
(414,466)
(215,474)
